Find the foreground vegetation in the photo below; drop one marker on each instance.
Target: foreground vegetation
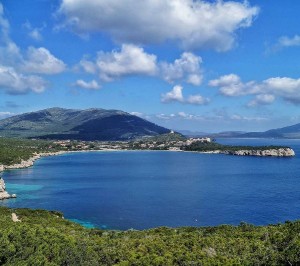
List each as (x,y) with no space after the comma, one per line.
(45,238)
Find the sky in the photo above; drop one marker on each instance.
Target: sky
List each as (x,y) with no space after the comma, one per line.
(205,66)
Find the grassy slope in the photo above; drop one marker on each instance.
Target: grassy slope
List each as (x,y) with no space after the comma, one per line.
(44,238)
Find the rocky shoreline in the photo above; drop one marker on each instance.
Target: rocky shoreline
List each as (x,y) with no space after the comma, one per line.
(3,193)
(30,161)
(282,152)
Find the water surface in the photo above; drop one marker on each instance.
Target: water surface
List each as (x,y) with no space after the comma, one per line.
(143,189)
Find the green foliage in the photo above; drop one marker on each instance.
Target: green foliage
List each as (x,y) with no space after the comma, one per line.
(213,146)
(45,238)
(163,138)
(14,150)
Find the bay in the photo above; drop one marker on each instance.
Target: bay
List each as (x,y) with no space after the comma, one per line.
(146,189)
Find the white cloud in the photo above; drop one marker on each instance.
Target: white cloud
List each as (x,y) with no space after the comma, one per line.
(88,66)
(33,33)
(92,85)
(41,61)
(231,85)
(193,23)
(133,60)
(186,68)
(246,118)
(5,114)
(262,99)
(4,24)
(129,61)
(16,83)
(14,66)
(137,114)
(211,118)
(284,87)
(285,42)
(175,95)
(197,99)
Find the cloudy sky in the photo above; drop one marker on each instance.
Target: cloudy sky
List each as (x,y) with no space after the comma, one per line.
(185,64)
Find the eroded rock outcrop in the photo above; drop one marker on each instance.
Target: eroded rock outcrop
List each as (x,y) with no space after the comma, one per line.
(3,193)
(30,161)
(281,152)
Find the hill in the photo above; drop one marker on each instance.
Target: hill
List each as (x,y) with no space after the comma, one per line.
(90,124)
(291,132)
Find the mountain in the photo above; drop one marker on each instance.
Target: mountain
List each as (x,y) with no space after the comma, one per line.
(90,124)
(291,132)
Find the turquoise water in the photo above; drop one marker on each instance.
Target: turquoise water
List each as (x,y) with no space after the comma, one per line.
(143,189)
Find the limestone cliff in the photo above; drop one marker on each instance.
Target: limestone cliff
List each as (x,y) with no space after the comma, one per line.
(3,193)
(282,152)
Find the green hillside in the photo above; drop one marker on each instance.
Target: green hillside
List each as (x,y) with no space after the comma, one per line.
(45,238)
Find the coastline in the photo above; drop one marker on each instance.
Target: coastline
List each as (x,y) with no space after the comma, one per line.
(284,152)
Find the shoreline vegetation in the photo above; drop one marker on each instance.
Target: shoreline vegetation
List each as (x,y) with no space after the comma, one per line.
(22,153)
(39,237)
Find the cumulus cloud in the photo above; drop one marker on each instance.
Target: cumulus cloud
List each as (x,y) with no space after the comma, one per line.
(134,60)
(41,61)
(197,99)
(176,95)
(262,99)
(92,85)
(17,70)
(15,83)
(194,24)
(265,91)
(186,68)
(232,86)
(129,60)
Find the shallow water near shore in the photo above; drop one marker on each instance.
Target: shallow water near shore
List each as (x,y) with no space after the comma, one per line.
(142,189)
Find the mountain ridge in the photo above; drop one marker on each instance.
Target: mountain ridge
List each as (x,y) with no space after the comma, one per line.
(88,124)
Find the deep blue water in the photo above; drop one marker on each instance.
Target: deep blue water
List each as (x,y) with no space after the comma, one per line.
(122,190)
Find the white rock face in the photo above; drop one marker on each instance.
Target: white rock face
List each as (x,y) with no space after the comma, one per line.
(3,192)
(281,152)
(1,168)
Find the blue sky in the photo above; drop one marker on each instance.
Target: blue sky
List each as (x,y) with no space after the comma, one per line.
(205,66)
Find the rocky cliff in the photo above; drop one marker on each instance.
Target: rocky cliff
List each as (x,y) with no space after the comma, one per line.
(281,152)
(3,193)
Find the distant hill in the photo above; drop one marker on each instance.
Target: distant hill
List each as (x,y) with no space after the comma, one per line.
(291,132)
(90,124)
(190,133)
(225,134)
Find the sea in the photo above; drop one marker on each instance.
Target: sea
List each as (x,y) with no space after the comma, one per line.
(123,190)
